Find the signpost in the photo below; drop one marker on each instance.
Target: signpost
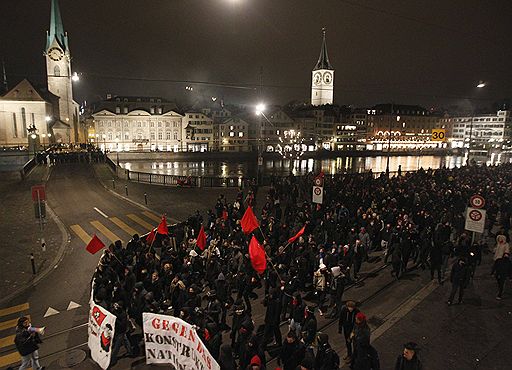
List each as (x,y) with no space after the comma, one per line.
(475,216)
(318,189)
(39,198)
(438,134)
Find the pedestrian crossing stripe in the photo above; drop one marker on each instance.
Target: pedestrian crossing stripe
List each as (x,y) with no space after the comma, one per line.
(130,231)
(140,221)
(81,233)
(14,309)
(152,216)
(103,229)
(10,359)
(7,341)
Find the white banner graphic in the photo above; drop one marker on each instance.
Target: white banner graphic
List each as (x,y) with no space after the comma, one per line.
(170,340)
(101,334)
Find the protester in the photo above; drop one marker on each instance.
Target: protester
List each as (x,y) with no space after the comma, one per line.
(409,359)
(503,270)
(459,279)
(27,342)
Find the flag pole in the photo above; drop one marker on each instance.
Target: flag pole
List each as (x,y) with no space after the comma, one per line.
(267,256)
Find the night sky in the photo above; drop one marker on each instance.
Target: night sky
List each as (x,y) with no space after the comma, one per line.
(429,52)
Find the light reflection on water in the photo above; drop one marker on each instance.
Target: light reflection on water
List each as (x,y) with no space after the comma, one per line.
(282,167)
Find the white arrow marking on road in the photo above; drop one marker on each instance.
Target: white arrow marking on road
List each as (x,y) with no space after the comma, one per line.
(50,312)
(72,305)
(101,213)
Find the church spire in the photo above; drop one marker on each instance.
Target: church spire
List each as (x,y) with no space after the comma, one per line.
(56,31)
(323,60)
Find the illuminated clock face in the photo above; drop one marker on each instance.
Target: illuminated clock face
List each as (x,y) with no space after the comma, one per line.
(55,54)
(317,78)
(327,77)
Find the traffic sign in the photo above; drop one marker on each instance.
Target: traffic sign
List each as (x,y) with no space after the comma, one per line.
(38,193)
(318,194)
(438,134)
(477,201)
(475,220)
(319,181)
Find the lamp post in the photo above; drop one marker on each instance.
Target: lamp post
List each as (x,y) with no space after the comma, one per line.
(389,137)
(260,108)
(32,130)
(104,143)
(117,150)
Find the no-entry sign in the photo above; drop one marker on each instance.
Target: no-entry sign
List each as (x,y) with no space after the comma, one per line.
(475,220)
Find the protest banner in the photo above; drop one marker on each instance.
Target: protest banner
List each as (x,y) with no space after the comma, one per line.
(101,328)
(170,340)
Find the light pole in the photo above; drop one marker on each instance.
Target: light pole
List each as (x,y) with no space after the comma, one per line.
(104,143)
(389,137)
(260,108)
(481,84)
(117,150)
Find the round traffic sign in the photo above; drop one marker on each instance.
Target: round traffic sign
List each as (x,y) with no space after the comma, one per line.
(318,181)
(477,201)
(318,191)
(475,215)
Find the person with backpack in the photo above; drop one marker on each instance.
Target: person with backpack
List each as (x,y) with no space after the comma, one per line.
(366,358)
(326,358)
(409,359)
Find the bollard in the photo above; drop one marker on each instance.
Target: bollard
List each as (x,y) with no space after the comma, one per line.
(113,184)
(126,189)
(146,198)
(43,245)
(33,262)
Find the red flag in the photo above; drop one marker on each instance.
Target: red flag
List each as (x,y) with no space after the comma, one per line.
(201,239)
(293,238)
(98,315)
(224,214)
(249,221)
(151,237)
(162,227)
(94,245)
(258,257)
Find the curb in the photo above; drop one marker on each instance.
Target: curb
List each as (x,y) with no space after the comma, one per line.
(126,198)
(66,239)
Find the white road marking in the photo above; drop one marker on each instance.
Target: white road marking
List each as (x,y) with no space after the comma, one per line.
(100,212)
(50,312)
(72,305)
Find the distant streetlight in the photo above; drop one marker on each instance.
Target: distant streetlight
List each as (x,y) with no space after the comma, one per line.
(481,84)
(47,118)
(260,108)
(75,77)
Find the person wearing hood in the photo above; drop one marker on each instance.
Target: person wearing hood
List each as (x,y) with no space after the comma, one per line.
(310,326)
(502,269)
(213,307)
(253,356)
(297,313)
(272,316)
(27,343)
(409,359)
(213,339)
(320,281)
(360,337)
(241,328)
(326,358)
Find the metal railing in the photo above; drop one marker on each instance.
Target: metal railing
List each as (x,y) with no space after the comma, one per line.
(192,181)
(28,167)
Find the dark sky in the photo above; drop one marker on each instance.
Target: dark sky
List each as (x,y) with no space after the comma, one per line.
(430,52)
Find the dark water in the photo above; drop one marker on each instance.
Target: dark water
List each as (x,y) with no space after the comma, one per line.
(297,167)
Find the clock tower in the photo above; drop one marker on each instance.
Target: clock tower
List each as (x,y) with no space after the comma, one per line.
(58,69)
(322,84)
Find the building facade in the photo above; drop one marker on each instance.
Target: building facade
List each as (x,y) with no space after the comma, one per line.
(126,123)
(198,132)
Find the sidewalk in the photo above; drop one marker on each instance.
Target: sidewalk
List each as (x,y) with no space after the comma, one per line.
(473,335)
(22,235)
(178,203)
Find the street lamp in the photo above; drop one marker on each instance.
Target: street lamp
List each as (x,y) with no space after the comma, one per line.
(75,77)
(32,130)
(104,143)
(260,108)
(117,150)
(389,137)
(481,84)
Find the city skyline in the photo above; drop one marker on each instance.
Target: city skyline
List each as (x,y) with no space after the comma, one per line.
(227,56)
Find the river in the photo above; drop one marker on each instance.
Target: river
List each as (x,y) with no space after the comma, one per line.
(231,168)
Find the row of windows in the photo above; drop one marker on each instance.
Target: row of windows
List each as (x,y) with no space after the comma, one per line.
(137,124)
(110,136)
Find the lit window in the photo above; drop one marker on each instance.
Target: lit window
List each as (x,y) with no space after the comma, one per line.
(231,134)
(240,134)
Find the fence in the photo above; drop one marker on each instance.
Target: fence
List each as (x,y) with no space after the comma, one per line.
(28,167)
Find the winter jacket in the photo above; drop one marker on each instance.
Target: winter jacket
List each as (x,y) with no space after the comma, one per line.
(347,320)
(326,358)
(309,329)
(366,358)
(26,342)
(319,281)
(502,268)
(403,364)
(459,274)
(292,354)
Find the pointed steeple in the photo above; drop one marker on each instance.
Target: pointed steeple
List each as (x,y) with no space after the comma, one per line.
(56,31)
(323,60)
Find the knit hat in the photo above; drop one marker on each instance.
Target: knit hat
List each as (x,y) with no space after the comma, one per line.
(361,316)
(255,360)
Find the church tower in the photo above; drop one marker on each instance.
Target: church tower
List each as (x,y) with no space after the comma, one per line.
(322,83)
(58,69)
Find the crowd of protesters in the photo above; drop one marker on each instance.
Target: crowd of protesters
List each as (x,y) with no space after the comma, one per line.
(414,220)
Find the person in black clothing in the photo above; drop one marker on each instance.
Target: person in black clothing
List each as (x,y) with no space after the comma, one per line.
(346,325)
(436,262)
(292,352)
(226,360)
(27,343)
(326,358)
(409,360)
(272,317)
(310,326)
(502,269)
(459,278)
